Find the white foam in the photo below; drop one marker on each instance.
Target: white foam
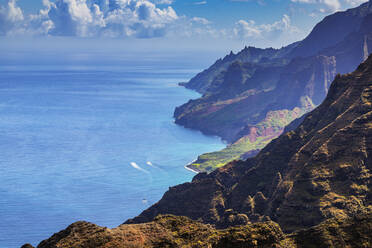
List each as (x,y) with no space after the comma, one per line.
(136,166)
(152,165)
(188,168)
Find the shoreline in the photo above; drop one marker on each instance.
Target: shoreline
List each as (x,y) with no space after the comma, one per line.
(190,169)
(226,143)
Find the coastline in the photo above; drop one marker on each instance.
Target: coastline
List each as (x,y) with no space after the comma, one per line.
(187,167)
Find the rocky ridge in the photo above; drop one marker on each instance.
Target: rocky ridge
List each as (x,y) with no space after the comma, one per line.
(247,88)
(173,232)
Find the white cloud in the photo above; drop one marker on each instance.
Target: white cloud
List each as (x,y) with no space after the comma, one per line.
(278,32)
(200,20)
(355,2)
(196,27)
(168,2)
(11,17)
(200,3)
(88,18)
(329,5)
(134,18)
(261,2)
(249,29)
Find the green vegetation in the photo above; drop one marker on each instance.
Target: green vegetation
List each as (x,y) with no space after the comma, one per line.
(211,161)
(181,232)
(257,138)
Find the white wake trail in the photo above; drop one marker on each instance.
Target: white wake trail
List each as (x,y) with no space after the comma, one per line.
(137,167)
(152,165)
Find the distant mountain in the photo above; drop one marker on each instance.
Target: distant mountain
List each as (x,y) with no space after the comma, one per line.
(329,32)
(321,170)
(204,81)
(255,84)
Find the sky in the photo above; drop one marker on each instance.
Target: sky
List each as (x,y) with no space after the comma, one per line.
(203,23)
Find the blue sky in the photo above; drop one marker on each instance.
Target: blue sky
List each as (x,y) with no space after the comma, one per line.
(260,23)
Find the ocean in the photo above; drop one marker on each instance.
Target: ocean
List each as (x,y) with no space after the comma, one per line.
(90,137)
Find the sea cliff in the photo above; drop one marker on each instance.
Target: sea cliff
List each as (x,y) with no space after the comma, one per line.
(250,97)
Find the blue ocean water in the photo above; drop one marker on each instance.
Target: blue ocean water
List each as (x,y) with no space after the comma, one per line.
(90,137)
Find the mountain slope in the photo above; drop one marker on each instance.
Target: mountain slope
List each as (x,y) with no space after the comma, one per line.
(171,231)
(240,99)
(331,30)
(320,170)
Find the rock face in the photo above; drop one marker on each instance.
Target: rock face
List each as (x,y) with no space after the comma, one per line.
(240,90)
(171,231)
(320,170)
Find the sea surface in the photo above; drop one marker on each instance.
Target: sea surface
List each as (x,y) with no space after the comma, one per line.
(90,137)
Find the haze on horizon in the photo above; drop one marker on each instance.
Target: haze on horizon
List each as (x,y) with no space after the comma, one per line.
(218,25)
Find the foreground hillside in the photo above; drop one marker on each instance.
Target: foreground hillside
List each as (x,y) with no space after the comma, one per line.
(171,231)
(313,182)
(249,97)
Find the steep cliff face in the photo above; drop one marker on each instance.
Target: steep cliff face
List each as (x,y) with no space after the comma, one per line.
(242,95)
(320,170)
(305,78)
(173,232)
(354,48)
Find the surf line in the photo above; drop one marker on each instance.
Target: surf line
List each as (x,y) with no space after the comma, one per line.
(189,169)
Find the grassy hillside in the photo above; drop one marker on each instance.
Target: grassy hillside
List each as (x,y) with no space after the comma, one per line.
(257,138)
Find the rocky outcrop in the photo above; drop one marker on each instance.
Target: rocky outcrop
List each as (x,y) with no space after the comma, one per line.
(324,166)
(171,231)
(165,231)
